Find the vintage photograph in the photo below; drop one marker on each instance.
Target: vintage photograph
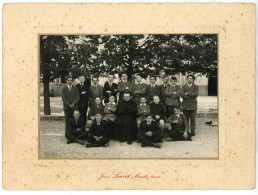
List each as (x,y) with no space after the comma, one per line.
(128,96)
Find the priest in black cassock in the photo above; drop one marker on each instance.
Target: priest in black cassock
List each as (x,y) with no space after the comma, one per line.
(125,126)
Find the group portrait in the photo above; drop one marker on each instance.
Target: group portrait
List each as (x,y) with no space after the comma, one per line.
(128,96)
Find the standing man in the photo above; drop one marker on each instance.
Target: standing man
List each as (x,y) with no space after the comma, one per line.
(84,97)
(152,89)
(123,86)
(139,89)
(110,89)
(189,93)
(70,97)
(95,91)
(163,88)
(172,94)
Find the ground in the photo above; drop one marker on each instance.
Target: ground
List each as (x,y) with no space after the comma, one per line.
(204,144)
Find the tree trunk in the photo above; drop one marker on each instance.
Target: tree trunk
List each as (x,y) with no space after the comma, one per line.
(47,109)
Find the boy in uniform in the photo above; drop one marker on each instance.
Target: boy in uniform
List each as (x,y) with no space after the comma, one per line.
(178,129)
(76,129)
(97,107)
(98,134)
(150,133)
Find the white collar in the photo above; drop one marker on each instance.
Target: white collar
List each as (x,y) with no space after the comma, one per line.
(152,85)
(69,86)
(124,81)
(143,104)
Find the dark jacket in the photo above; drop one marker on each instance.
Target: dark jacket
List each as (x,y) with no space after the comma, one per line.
(150,92)
(112,88)
(154,128)
(69,97)
(95,92)
(73,125)
(182,124)
(158,109)
(172,99)
(99,130)
(189,100)
(84,98)
(96,109)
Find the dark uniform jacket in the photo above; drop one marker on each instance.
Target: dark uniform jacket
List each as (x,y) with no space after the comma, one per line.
(69,97)
(189,100)
(95,92)
(153,127)
(150,92)
(182,124)
(172,99)
(112,88)
(74,125)
(163,88)
(84,98)
(99,130)
(158,109)
(96,109)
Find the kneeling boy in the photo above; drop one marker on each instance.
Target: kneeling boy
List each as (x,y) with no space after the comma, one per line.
(98,134)
(178,129)
(76,129)
(150,133)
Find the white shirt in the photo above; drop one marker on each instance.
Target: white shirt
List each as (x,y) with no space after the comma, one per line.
(189,85)
(69,87)
(143,104)
(153,85)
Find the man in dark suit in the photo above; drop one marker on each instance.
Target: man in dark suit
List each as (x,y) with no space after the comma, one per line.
(110,89)
(84,97)
(189,93)
(95,91)
(124,86)
(163,88)
(70,97)
(152,90)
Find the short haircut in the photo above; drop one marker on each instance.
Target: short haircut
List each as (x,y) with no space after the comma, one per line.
(95,77)
(81,76)
(143,97)
(165,76)
(97,97)
(149,115)
(127,92)
(76,110)
(190,75)
(155,96)
(121,74)
(69,77)
(173,78)
(177,107)
(153,76)
(111,96)
(98,113)
(111,74)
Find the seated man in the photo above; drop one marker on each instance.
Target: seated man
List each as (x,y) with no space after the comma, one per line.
(97,107)
(178,129)
(150,133)
(110,114)
(143,109)
(157,109)
(98,134)
(76,129)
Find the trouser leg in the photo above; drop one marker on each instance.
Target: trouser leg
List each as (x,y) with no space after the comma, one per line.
(68,115)
(192,120)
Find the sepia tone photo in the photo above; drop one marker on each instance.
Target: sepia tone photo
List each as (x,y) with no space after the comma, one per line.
(128,96)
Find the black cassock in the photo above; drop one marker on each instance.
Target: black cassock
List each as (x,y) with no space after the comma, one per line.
(125,126)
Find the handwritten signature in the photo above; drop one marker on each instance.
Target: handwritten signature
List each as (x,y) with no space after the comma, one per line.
(121,175)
